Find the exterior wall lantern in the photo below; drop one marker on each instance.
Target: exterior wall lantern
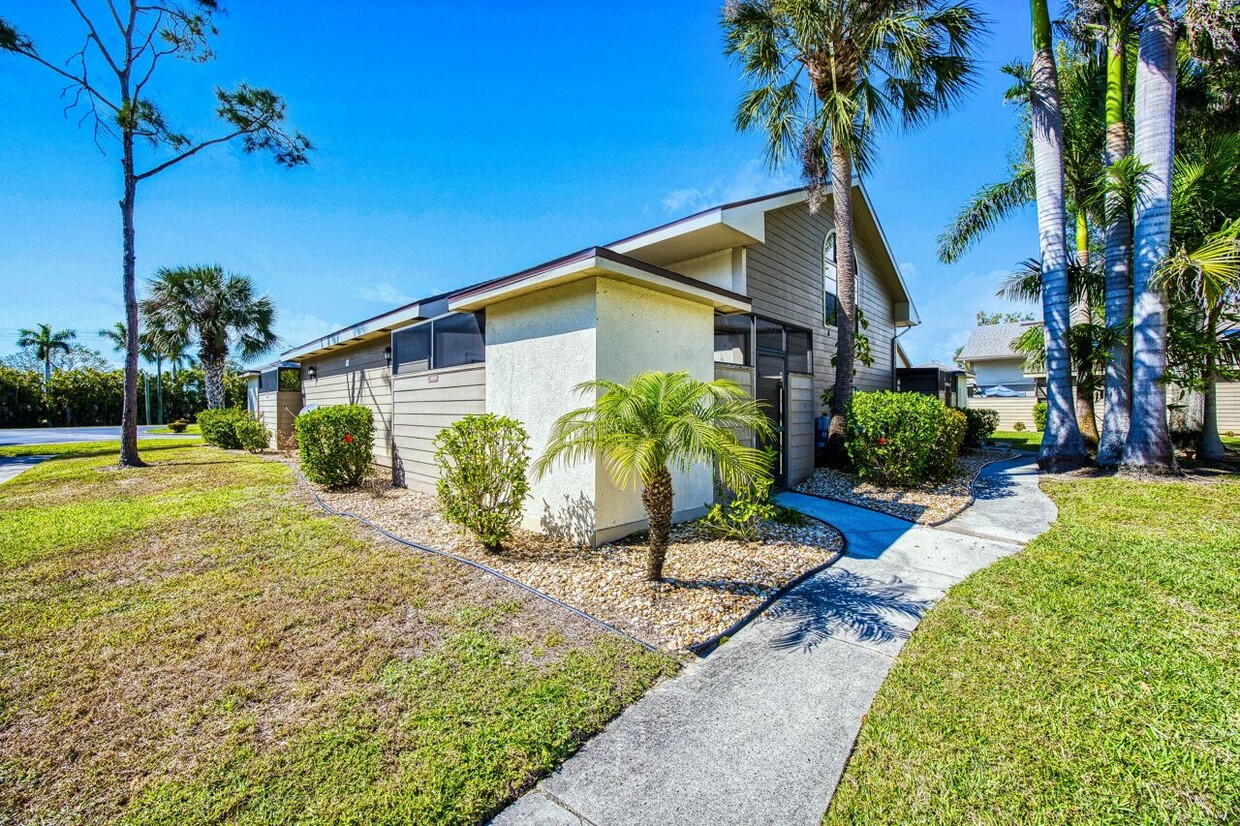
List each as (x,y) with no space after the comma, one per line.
(312,371)
(387,355)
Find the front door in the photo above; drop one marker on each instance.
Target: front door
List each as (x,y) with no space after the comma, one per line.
(772,393)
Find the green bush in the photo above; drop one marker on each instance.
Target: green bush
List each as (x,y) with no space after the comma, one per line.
(219,427)
(1019,427)
(903,438)
(178,426)
(251,434)
(1039,416)
(742,515)
(981,426)
(336,444)
(483,485)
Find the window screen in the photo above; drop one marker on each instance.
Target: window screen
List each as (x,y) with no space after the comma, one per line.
(268,381)
(411,349)
(799,352)
(770,335)
(732,337)
(459,339)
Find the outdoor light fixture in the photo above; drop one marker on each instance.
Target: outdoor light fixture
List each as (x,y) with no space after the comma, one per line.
(312,371)
(387,355)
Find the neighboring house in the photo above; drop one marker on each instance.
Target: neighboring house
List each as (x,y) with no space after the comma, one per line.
(744,291)
(996,369)
(934,378)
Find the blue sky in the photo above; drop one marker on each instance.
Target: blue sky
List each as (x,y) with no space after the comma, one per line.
(456,141)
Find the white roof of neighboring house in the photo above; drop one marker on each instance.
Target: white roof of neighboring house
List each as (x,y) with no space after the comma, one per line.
(938,365)
(994,341)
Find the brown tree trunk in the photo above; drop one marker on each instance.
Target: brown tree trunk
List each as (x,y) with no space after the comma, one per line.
(657,497)
(1086,418)
(846,313)
(1210,447)
(129,408)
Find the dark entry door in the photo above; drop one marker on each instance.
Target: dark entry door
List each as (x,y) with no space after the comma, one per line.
(773,392)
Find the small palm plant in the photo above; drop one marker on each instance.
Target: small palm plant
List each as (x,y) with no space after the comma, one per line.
(653,424)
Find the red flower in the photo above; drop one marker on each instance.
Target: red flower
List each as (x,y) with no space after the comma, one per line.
(882,440)
(348,438)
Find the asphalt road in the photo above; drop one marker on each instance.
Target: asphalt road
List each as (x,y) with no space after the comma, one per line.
(59,435)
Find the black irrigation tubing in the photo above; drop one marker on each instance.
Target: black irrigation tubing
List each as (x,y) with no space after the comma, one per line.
(707,646)
(478,565)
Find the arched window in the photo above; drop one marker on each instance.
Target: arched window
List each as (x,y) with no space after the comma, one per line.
(830,280)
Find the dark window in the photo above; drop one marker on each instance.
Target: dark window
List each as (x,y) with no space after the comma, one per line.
(770,335)
(411,349)
(459,339)
(830,308)
(268,381)
(732,337)
(799,357)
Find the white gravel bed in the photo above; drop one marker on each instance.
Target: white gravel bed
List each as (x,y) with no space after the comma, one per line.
(926,504)
(709,584)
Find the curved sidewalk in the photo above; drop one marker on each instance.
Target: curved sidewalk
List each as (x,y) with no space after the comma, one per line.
(760,731)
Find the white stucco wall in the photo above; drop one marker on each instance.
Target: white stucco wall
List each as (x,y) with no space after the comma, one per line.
(639,329)
(539,347)
(725,268)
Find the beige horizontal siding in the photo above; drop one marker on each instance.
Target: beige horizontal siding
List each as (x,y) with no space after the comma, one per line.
(423,405)
(800,425)
(276,410)
(355,375)
(1227,394)
(784,277)
(1011,410)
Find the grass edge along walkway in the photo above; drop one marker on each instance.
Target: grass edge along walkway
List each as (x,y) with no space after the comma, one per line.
(1092,678)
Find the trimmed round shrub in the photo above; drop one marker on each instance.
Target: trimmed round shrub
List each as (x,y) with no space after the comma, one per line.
(1039,416)
(178,426)
(336,444)
(219,427)
(903,438)
(483,486)
(982,424)
(252,435)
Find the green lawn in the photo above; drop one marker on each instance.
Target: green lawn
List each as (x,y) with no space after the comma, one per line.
(1092,678)
(1019,439)
(192,643)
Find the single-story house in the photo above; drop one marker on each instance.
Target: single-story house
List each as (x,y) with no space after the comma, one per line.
(744,291)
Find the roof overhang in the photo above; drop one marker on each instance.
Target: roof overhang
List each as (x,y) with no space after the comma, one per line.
(723,227)
(598,262)
(372,328)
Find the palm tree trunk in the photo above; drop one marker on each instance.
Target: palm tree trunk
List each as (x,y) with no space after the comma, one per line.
(1148,446)
(1210,447)
(1086,417)
(1062,447)
(657,497)
(47,370)
(846,313)
(1117,395)
(129,408)
(213,380)
(159,389)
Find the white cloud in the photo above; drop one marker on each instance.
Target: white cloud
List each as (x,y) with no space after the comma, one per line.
(384,292)
(747,181)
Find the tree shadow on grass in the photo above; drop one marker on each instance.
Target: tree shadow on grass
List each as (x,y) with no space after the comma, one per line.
(839,603)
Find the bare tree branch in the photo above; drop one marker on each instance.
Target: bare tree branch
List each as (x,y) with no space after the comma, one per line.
(94,33)
(155,170)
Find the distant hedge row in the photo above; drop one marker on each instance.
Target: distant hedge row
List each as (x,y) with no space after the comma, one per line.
(86,397)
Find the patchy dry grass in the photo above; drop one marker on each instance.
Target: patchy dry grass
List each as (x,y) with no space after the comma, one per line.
(189,643)
(1092,678)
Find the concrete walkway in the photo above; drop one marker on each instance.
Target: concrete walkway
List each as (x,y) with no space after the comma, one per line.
(12,466)
(759,731)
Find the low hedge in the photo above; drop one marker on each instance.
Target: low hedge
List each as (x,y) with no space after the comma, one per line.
(903,438)
(219,426)
(1039,416)
(336,444)
(483,459)
(982,424)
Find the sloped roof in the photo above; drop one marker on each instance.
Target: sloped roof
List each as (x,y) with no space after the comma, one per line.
(994,341)
(938,365)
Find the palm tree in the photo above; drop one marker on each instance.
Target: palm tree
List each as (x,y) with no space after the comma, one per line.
(1062,446)
(655,423)
(44,342)
(1148,446)
(827,75)
(1210,276)
(219,310)
(149,349)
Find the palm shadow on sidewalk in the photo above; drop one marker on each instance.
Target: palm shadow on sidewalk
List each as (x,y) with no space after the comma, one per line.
(846,605)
